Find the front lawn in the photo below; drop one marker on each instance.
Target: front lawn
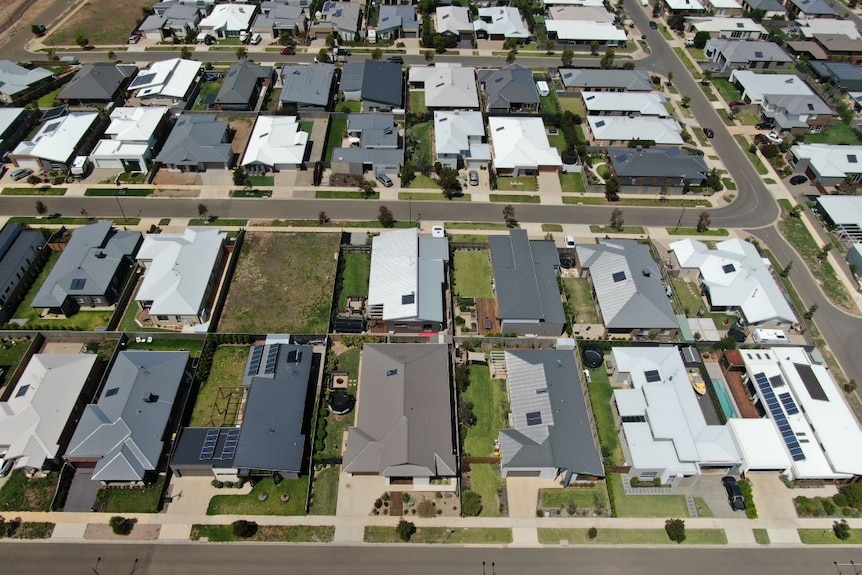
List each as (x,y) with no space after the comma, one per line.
(515,199)
(424,182)
(130,499)
(357,268)
(42,191)
(264,180)
(272,504)
(22,494)
(637,537)
(838,133)
(324,491)
(580,497)
(728,91)
(267,533)
(485,479)
(472,273)
(489,408)
(228,367)
(118,192)
(521,184)
(645,505)
(572,183)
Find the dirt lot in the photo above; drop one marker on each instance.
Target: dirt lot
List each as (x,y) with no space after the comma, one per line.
(102,22)
(242,132)
(283,284)
(168,178)
(140,532)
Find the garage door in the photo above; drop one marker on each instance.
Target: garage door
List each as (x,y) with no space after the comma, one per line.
(33,164)
(523,474)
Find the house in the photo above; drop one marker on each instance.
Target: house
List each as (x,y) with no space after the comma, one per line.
(525,283)
(277,143)
(797,113)
(771,8)
(19,249)
(407,282)
(269,439)
(629,288)
(131,139)
(842,213)
(733,28)
(854,255)
(809,28)
(243,86)
(809,9)
(447,86)
(625,104)
(340,18)
(57,142)
(520,146)
(735,278)
(122,436)
(729,8)
(91,271)
(581,13)
(307,87)
(746,54)
(15,123)
(684,6)
(102,84)
(181,276)
(39,415)
(197,143)
(842,76)
(665,167)
(501,23)
(379,146)
(459,140)
(171,83)
(276,19)
(19,85)
(828,164)
(509,89)
(753,85)
(382,86)
(594,80)
(551,434)
(664,434)
(840,47)
(584,33)
(455,21)
(228,20)
(404,420)
(397,21)
(615,130)
(350,84)
(175,20)
(808,413)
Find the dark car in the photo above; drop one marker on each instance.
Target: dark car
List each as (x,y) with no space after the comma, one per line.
(761,139)
(38,29)
(653,25)
(798,179)
(395,60)
(736,103)
(288,52)
(708,132)
(764,126)
(734,493)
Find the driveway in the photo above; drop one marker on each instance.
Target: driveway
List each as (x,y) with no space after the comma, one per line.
(773,499)
(523,494)
(549,184)
(356,494)
(82,492)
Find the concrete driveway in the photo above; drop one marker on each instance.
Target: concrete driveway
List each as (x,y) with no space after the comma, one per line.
(356,494)
(523,494)
(773,499)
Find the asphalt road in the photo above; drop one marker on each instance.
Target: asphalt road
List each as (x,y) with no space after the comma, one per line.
(63,559)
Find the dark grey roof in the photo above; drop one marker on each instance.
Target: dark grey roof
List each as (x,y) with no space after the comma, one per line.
(766,5)
(744,51)
(798,104)
(125,430)
(565,438)
(100,82)
(373,156)
(631,80)
(15,244)
(393,16)
(307,84)
(657,162)
(376,129)
(194,444)
(508,86)
(841,72)
(240,82)
(280,16)
(816,7)
(351,77)
(196,138)
(88,264)
(383,82)
(525,278)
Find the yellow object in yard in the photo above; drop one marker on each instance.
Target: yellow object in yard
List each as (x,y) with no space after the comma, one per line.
(697,382)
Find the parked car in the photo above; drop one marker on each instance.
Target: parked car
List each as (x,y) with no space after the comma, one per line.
(798,179)
(734,493)
(764,126)
(5,464)
(134,38)
(474,177)
(708,132)
(255,39)
(20,174)
(761,139)
(689,42)
(774,137)
(438,232)
(735,103)
(653,25)
(39,29)
(384,179)
(395,60)
(288,52)
(570,242)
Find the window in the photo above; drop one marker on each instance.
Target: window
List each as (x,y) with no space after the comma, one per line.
(162,317)
(534,418)
(633,419)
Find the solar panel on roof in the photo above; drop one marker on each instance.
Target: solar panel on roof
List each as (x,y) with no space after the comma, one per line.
(728,268)
(112,392)
(254,363)
(22,391)
(851,158)
(78,284)
(50,128)
(209,444)
(534,418)
(228,450)
(779,418)
(619,276)
(142,80)
(54,113)
(652,376)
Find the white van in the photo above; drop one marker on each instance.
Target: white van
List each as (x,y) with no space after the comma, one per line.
(543,88)
(255,39)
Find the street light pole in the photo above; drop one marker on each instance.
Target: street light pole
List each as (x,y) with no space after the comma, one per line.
(120,206)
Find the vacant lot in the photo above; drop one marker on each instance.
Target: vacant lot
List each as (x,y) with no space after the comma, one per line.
(283,284)
(102,22)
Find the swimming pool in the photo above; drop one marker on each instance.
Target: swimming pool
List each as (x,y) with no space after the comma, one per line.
(723,399)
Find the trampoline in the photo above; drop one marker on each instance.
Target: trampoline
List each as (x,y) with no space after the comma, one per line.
(341,402)
(593,358)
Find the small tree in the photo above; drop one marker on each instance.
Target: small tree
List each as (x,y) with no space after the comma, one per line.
(786,271)
(795,211)
(376,54)
(511,56)
(111,55)
(617,220)
(810,312)
(405,530)
(670,77)
(385,217)
(429,55)
(241,53)
(675,529)
(202,210)
(567,57)
(663,194)
(37,29)
(240,177)
(449,182)
(612,189)
(287,39)
(121,525)
(366,189)
(850,386)
(323,218)
(686,100)
(471,504)
(331,40)
(407,175)
(607,61)
(592,533)
(700,39)
(186,53)
(323,56)
(703,222)
(594,48)
(82,41)
(41,208)
(243,528)
(841,530)
(824,252)
(509,215)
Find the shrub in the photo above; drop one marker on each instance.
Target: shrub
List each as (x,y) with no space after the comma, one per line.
(243,528)
(828,506)
(656,481)
(121,525)
(841,529)
(848,512)
(853,493)
(635,482)
(471,504)
(592,533)
(405,530)
(840,500)
(675,529)
(748,496)
(807,507)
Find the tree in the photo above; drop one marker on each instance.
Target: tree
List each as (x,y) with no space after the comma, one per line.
(608,59)
(509,215)
(241,53)
(331,40)
(287,39)
(41,208)
(323,56)
(429,55)
(686,100)
(676,21)
(707,77)
(471,504)
(850,386)
(567,57)
(550,45)
(617,220)
(376,54)
(824,252)
(511,56)
(796,211)
(594,48)
(713,180)
(841,529)
(656,9)
(592,533)
(663,194)
(853,493)
(186,53)
(675,529)
(121,525)
(510,44)
(405,530)
(323,218)
(449,182)
(202,210)
(407,175)
(385,217)
(700,39)
(810,312)
(82,41)
(440,44)
(670,77)
(786,271)
(703,221)
(37,29)
(111,55)
(244,528)
(366,189)
(240,177)
(612,189)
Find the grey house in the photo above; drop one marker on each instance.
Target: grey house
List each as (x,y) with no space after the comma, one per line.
(19,85)
(809,9)
(15,124)
(19,248)
(243,85)
(840,75)
(628,286)
(307,87)
(91,270)
(509,89)
(271,439)
(525,281)
(122,436)
(198,143)
(552,435)
(379,148)
(176,19)
(593,80)
(730,55)
(350,84)
(382,86)
(404,423)
(657,167)
(98,84)
(397,21)
(276,18)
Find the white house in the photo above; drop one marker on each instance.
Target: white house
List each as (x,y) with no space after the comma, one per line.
(501,23)
(56,143)
(611,130)
(585,32)
(131,138)
(520,146)
(448,86)
(684,6)
(819,26)
(166,83)
(454,21)
(228,20)
(459,140)
(733,28)
(277,143)
(625,104)
(828,164)
(754,86)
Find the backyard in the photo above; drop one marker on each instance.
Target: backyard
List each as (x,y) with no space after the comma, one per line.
(421,152)
(357,267)
(337,129)
(601,391)
(210,88)
(294,491)
(228,366)
(472,273)
(581,300)
(102,22)
(838,133)
(689,296)
(10,356)
(489,408)
(299,285)
(416,102)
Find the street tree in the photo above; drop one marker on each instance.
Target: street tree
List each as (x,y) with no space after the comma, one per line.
(82,41)
(203,210)
(618,221)
(612,189)
(376,54)
(686,100)
(607,61)
(111,55)
(385,217)
(429,55)
(323,218)
(186,53)
(323,56)
(511,56)
(809,313)
(41,208)
(703,222)
(509,215)
(567,57)
(594,48)
(241,53)
(786,271)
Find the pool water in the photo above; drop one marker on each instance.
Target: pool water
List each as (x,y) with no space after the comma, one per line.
(724,399)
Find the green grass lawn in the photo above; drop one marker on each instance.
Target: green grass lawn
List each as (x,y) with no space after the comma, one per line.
(49,99)
(748,118)
(695,232)
(459,536)
(610,230)
(558,141)
(350,106)
(688,295)
(572,183)
(343,195)
(640,202)
(581,300)
(43,191)
(600,391)
(266,533)
(262,180)
(581,497)
(132,499)
(665,32)
(472,274)
(324,492)
(193,346)
(761,536)
(432,197)
(422,151)
(22,494)
(729,183)
(515,199)
(423,181)
(210,88)
(727,90)
(245,193)
(548,104)
(630,537)
(337,128)
(489,407)
(646,505)
(477,226)
(552,228)
(827,537)
(118,192)
(273,505)
(754,158)
(349,362)
(521,184)
(227,371)
(725,117)
(416,102)
(574,105)
(357,267)
(685,59)
(10,357)
(128,322)
(838,133)
(485,480)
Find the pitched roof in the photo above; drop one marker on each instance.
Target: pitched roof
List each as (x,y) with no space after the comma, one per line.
(276,140)
(725,24)
(392,17)
(453,130)
(233,17)
(551,426)
(814,26)
(766,5)
(645,104)
(629,80)
(136,124)
(124,430)
(404,420)
(521,143)
(838,43)
(352,74)
(343,16)
(179,270)
(383,82)
(625,129)
(196,138)
(15,78)
(628,285)
(240,82)
(831,161)
(307,84)
(744,51)
(501,20)
(841,72)
(584,30)
(509,86)
(375,129)
(100,81)
(657,162)
(281,16)
(168,78)
(17,245)
(814,7)
(453,20)
(447,85)
(755,85)
(58,139)
(88,264)
(581,13)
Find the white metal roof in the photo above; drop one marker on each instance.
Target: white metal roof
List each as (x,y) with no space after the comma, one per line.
(582,13)
(453,19)
(505,20)
(135,124)
(755,85)
(230,17)
(644,103)
(759,443)
(115,149)
(736,276)
(58,138)
(724,4)
(179,270)
(585,30)
(624,129)
(521,143)
(812,26)
(725,24)
(448,86)
(832,161)
(276,140)
(575,2)
(684,5)
(33,419)
(170,78)
(453,130)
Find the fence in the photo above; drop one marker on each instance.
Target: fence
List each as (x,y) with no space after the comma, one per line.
(228,277)
(36,343)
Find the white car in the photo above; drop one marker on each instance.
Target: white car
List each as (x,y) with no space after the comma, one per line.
(774,137)
(438,232)
(5,465)
(570,242)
